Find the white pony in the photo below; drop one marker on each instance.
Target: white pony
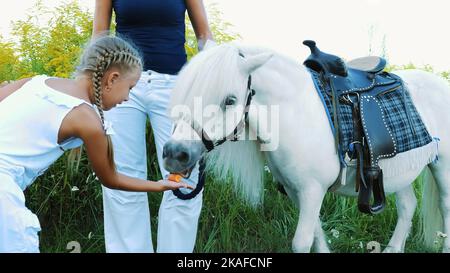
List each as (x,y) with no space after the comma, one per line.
(304,158)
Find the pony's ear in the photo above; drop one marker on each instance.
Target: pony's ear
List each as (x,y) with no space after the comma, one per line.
(254,62)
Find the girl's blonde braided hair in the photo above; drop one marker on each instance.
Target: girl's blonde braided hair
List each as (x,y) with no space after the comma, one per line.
(100,55)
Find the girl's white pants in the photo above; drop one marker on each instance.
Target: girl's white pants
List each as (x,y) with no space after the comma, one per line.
(19,227)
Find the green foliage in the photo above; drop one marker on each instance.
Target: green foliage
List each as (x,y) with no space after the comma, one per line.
(52,48)
(446,75)
(70,32)
(220,29)
(8,61)
(427,67)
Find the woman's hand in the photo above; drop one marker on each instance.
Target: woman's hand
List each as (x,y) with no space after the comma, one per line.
(102,17)
(197,15)
(170,185)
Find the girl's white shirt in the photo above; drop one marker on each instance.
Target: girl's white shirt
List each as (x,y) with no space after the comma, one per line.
(30,119)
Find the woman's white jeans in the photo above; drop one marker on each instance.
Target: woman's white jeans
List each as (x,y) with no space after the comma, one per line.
(126,214)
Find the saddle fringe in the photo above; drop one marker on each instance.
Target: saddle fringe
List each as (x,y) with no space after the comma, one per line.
(398,165)
(410,160)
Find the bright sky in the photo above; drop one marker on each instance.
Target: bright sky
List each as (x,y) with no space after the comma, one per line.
(412,30)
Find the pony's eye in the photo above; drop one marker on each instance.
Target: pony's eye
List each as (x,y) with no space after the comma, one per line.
(229,101)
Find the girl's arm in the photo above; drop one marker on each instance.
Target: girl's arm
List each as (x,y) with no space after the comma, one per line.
(84,123)
(199,20)
(8,89)
(102,17)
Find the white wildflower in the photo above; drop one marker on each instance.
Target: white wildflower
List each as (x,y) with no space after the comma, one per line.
(75,188)
(335,233)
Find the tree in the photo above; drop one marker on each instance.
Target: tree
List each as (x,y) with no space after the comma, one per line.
(8,61)
(53,47)
(221,31)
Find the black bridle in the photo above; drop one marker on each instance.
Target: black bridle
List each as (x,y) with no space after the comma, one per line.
(210,144)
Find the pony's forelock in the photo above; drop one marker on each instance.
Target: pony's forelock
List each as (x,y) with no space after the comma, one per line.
(213,67)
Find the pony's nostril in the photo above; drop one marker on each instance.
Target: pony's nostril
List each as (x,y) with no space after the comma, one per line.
(182,157)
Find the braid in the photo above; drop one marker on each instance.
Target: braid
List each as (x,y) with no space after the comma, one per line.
(96,80)
(104,60)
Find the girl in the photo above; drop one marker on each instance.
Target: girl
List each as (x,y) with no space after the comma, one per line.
(42,117)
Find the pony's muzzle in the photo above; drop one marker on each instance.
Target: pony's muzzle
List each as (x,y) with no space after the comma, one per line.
(181,156)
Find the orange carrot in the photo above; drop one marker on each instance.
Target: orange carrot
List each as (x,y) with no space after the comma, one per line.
(175,177)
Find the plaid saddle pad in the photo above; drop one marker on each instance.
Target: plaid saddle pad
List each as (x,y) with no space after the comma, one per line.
(407,134)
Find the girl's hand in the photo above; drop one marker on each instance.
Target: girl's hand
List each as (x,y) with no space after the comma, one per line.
(170,185)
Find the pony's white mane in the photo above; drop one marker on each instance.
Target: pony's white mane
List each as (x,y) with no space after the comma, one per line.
(212,75)
(243,162)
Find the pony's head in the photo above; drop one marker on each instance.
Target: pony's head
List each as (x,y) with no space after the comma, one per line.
(210,104)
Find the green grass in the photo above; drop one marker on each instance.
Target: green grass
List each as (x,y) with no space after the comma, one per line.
(226,224)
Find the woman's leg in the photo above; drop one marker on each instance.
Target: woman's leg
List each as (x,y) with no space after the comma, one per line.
(19,227)
(126,214)
(178,219)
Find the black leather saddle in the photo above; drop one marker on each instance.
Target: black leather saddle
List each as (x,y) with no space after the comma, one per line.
(358,84)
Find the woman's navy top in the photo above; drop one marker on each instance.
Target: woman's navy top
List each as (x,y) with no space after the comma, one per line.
(157,28)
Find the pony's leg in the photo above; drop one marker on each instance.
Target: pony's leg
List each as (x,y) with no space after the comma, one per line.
(310,199)
(441,173)
(320,240)
(406,205)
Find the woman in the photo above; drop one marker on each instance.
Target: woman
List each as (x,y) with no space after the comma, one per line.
(158,29)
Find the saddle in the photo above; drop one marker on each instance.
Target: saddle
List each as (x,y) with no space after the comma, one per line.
(359,84)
